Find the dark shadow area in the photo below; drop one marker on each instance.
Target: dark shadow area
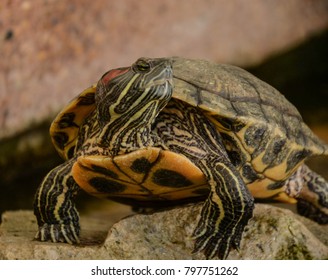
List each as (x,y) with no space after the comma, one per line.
(301,74)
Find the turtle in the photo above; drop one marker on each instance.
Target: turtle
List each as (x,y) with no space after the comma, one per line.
(168,131)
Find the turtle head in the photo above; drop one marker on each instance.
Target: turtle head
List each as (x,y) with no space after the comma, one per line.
(130,98)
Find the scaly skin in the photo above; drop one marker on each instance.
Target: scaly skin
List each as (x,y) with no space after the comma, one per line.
(54,206)
(311,192)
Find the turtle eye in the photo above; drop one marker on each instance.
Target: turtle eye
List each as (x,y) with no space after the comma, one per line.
(142,66)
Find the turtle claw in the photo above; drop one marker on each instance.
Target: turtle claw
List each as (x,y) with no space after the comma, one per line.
(215,244)
(216,238)
(65,233)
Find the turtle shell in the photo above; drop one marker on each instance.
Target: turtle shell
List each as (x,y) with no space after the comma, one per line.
(236,96)
(264,134)
(142,177)
(65,128)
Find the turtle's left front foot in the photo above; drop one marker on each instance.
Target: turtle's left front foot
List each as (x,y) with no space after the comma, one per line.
(66,233)
(215,236)
(54,207)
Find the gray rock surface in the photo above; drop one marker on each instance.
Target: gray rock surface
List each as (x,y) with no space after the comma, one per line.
(273,233)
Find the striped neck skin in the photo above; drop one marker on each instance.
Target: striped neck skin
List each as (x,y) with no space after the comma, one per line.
(128,102)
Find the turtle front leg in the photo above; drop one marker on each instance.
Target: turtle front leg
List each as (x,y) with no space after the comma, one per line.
(54,207)
(226,211)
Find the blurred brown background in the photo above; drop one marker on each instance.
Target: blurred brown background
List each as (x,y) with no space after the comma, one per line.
(51,50)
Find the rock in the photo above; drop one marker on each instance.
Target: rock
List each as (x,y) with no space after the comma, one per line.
(273,233)
(50,50)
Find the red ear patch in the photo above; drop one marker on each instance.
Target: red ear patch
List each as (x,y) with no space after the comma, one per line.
(111,74)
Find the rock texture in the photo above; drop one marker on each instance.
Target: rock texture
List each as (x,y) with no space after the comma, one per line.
(51,50)
(273,233)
